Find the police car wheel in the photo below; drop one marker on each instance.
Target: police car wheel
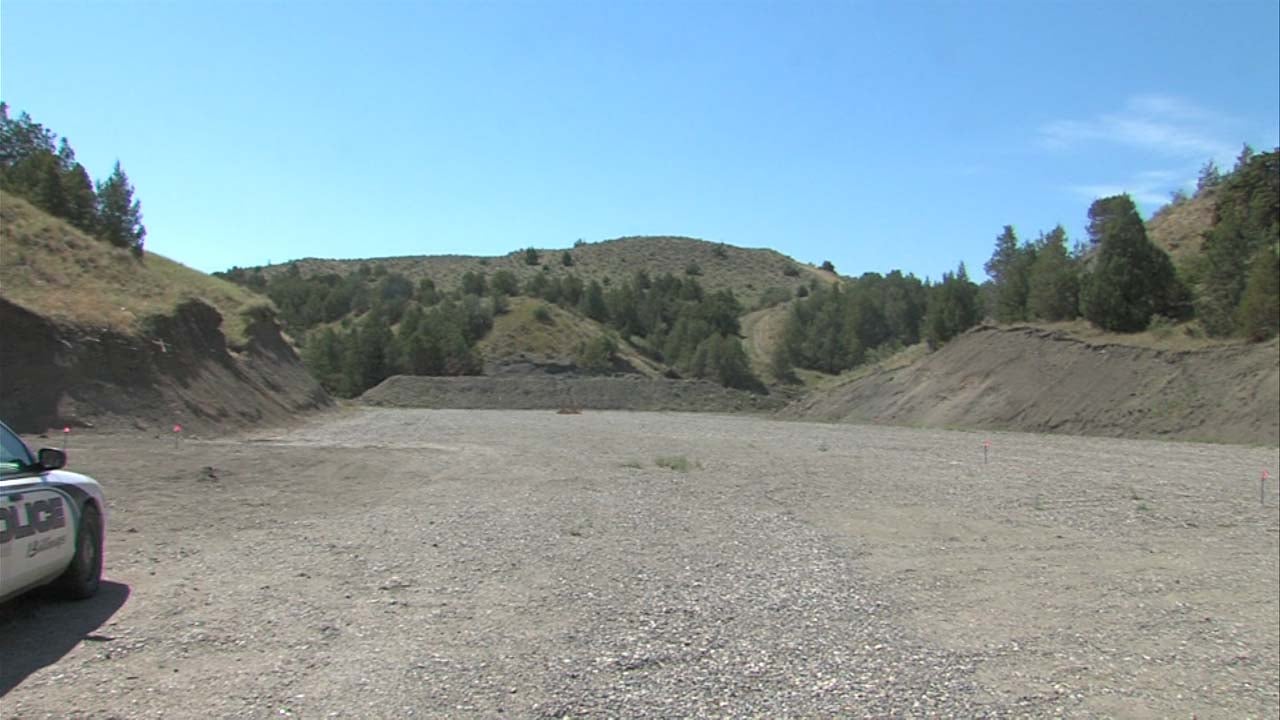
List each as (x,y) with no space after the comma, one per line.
(82,576)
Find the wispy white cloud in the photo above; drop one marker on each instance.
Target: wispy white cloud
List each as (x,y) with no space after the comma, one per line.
(1146,195)
(1171,130)
(1163,124)
(1149,188)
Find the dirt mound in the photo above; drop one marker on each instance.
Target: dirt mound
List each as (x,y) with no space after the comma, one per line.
(547,392)
(1035,380)
(180,372)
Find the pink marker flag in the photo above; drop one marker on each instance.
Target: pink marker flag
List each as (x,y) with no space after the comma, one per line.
(177,428)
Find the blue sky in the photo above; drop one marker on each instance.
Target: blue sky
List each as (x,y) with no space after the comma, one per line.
(876,135)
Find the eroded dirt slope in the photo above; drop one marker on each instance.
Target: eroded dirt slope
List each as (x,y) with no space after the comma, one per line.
(1029,379)
(181,373)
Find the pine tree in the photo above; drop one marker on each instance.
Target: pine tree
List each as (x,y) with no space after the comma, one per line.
(373,350)
(474,283)
(592,304)
(1246,221)
(953,307)
(1259,315)
(322,356)
(1054,287)
(1244,158)
(504,283)
(426,294)
(119,215)
(423,353)
(81,201)
(1210,177)
(1009,269)
(21,139)
(48,193)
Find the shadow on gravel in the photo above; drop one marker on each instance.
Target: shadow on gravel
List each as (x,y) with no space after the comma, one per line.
(36,631)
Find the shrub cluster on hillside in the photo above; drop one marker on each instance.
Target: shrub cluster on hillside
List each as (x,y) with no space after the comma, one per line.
(38,166)
(1237,286)
(841,326)
(364,327)
(676,322)
(360,329)
(1120,281)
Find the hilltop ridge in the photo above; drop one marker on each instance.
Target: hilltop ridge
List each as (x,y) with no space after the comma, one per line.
(748,272)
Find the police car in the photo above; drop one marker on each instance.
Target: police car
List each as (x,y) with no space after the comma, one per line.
(52,522)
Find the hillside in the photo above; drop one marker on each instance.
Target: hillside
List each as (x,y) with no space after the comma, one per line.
(747,272)
(58,272)
(1036,380)
(656,306)
(534,335)
(1179,228)
(96,336)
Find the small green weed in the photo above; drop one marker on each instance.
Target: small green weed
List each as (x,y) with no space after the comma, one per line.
(679,463)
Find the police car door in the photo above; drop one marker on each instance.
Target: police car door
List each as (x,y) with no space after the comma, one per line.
(36,520)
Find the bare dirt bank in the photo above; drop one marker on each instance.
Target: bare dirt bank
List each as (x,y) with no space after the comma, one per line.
(1033,380)
(551,392)
(182,372)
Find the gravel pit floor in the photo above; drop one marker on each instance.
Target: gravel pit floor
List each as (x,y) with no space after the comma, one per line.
(449,563)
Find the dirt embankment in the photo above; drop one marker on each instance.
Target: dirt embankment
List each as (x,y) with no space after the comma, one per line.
(181,372)
(551,392)
(1034,380)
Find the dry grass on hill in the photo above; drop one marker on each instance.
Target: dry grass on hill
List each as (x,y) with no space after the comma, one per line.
(53,269)
(1179,228)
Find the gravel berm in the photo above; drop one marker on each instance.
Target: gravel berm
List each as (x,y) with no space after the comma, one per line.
(447,563)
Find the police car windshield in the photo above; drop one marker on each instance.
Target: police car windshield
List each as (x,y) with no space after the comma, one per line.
(14,455)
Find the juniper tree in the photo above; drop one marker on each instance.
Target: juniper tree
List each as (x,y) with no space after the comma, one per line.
(119,214)
(1132,279)
(1010,271)
(1053,286)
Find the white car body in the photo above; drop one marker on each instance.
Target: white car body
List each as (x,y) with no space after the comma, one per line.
(41,509)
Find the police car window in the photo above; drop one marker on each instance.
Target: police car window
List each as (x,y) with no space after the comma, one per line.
(13,454)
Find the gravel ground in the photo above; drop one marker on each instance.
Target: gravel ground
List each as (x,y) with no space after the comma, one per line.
(446,563)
